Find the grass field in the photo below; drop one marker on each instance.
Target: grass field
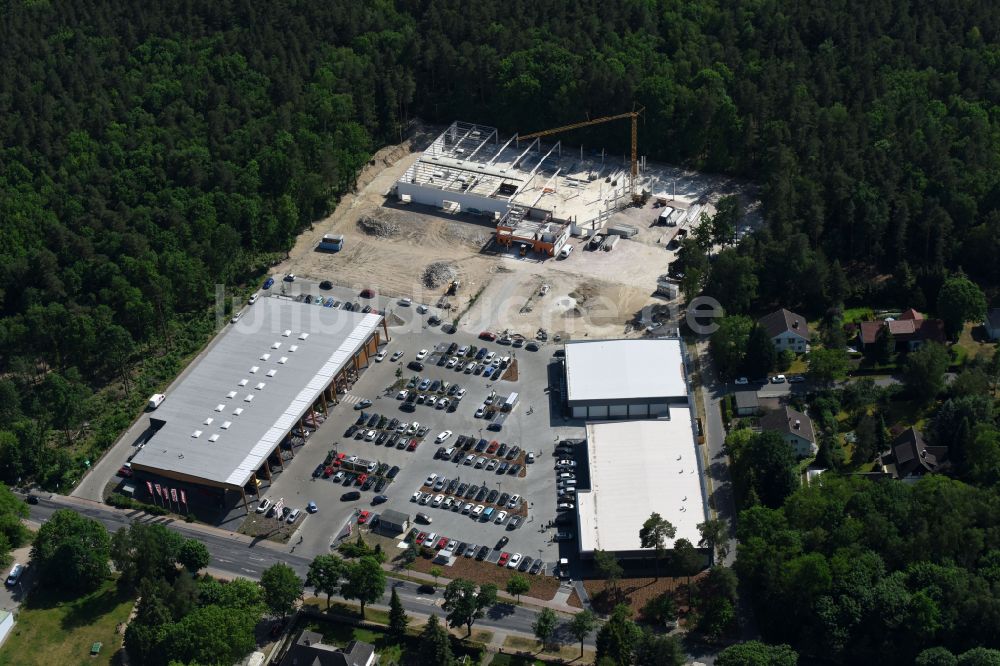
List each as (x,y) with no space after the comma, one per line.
(52,629)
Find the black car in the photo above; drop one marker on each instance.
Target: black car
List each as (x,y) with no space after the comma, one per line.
(461,490)
(380,485)
(559,353)
(492,496)
(380,440)
(512,454)
(525,563)
(393,423)
(369,482)
(471,492)
(318,472)
(442,360)
(31,499)
(372,420)
(453,406)
(469,443)
(350,496)
(359,434)
(435,385)
(536,566)
(514,470)
(460,548)
(440,452)
(457,456)
(326,284)
(504,466)
(361,418)
(531,346)
(393,471)
(501,543)
(434,320)
(483,552)
(504,498)
(453,389)
(350,431)
(481,495)
(452,348)
(362,404)
(453,485)
(415,365)
(309,298)
(379,499)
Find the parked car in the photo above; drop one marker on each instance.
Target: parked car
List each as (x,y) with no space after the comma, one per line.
(293,516)
(350,496)
(268,283)
(264,505)
(363,404)
(778,379)
(486,335)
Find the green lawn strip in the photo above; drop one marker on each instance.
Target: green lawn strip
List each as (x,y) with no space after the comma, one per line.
(54,629)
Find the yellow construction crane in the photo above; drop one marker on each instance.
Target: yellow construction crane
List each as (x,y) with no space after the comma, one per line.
(634,115)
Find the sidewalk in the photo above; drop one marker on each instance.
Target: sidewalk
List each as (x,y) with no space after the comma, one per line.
(557,604)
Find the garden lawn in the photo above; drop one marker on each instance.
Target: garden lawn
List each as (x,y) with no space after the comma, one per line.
(52,629)
(542,587)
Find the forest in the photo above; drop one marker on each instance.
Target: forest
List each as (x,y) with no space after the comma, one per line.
(150,153)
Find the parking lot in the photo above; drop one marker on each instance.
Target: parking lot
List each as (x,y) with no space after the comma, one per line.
(527,426)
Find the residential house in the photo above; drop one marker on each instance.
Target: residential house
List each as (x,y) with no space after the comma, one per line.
(993,323)
(746,403)
(310,650)
(795,427)
(911,457)
(910,331)
(787,330)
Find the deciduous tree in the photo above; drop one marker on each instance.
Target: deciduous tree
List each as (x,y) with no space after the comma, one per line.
(465,603)
(582,625)
(282,588)
(72,551)
(517,585)
(325,574)
(654,534)
(365,582)
(545,625)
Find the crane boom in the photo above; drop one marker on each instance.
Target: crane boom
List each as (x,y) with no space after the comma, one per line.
(634,115)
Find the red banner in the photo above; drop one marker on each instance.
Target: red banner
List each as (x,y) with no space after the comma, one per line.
(149,486)
(158,493)
(184,498)
(166,494)
(173,494)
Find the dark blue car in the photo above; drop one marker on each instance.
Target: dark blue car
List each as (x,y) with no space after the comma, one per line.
(268,283)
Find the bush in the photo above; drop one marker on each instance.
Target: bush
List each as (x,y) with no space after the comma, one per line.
(122,502)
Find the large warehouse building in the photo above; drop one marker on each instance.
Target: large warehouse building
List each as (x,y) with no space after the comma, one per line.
(624,379)
(637,468)
(220,429)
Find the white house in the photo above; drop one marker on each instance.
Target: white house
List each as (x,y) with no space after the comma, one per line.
(794,427)
(787,330)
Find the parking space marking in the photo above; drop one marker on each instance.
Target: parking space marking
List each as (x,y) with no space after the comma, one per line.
(351,399)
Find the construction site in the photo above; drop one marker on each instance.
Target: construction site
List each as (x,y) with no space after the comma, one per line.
(513,233)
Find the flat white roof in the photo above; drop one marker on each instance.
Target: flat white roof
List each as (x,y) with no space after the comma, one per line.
(624,369)
(636,468)
(242,397)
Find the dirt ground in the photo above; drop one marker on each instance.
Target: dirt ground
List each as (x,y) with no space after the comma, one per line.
(542,587)
(591,294)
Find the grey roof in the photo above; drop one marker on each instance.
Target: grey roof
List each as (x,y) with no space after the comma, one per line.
(310,650)
(251,387)
(746,400)
(783,321)
(395,518)
(788,421)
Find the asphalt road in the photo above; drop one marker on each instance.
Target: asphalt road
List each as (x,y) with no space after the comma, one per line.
(231,555)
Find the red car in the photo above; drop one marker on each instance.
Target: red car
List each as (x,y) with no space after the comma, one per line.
(412,446)
(328,472)
(486,335)
(125,471)
(420,538)
(367,293)
(494,445)
(503,559)
(363,517)
(361,479)
(339,460)
(442,542)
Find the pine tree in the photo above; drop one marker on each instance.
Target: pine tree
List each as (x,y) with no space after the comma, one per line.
(435,645)
(397,616)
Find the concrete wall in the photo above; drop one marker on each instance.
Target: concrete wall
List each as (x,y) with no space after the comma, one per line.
(431,196)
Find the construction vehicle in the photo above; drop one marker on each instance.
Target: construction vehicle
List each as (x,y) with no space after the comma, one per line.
(633,185)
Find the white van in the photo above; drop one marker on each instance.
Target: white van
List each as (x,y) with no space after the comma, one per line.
(156,400)
(566,251)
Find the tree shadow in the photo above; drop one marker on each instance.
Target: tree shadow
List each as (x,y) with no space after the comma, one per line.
(86,610)
(500,610)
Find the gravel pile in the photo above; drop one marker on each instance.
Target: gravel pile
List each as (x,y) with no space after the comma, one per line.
(378,225)
(439,273)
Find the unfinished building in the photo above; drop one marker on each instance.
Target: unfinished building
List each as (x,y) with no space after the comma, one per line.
(536,195)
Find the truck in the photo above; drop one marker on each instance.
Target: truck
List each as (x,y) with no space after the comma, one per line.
(331,243)
(595,241)
(356,464)
(666,217)
(509,403)
(155,401)
(610,243)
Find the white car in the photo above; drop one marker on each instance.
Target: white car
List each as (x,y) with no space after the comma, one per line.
(443,436)
(460,393)
(294,515)
(264,505)
(452,362)
(422,308)
(402,395)
(480,411)
(529,457)
(413,428)
(431,401)
(253,299)
(566,251)
(514,501)
(406,302)
(370,437)
(236,317)
(422,354)
(430,480)
(489,357)
(379,357)
(515,559)
(396,355)
(492,465)
(502,516)
(742,381)
(416,496)
(437,500)
(778,379)
(470,367)
(442,403)
(425,498)
(566,463)
(450,548)
(338,477)
(401,428)
(447,503)
(469,459)
(478,511)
